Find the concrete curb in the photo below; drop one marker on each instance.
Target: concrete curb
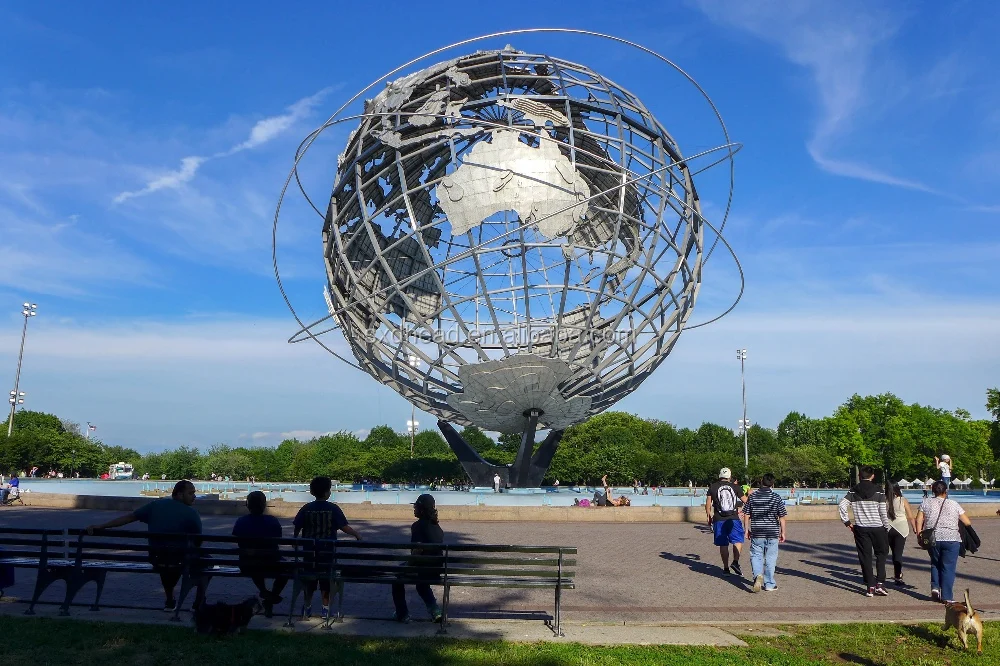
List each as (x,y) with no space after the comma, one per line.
(531,631)
(389,512)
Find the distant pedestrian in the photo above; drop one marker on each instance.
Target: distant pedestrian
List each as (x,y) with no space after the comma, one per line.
(496,483)
(870,527)
(942,516)
(764,520)
(901,520)
(722,505)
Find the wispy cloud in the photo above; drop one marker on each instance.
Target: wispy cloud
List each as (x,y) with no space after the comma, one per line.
(206,380)
(269,128)
(170,180)
(837,42)
(262,132)
(46,254)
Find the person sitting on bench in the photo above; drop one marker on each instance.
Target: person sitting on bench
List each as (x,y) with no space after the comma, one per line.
(9,493)
(258,560)
(173,515)
(425,530)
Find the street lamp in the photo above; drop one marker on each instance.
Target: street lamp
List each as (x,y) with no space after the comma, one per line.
(741,354)
(16,397)
(412,425)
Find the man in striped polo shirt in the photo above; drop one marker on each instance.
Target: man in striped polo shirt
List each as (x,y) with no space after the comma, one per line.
(764,522)
(871,529)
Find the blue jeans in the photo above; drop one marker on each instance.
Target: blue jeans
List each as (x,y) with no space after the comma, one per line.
(763,559)
(944,565)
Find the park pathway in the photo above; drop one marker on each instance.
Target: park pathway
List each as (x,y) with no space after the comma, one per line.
(647,574)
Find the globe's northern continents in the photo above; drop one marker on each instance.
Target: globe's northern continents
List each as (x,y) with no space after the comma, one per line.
(511,232)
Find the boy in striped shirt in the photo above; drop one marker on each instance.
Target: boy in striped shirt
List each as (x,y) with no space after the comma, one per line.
(764,521)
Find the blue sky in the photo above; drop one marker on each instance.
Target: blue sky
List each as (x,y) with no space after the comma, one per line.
(143,147)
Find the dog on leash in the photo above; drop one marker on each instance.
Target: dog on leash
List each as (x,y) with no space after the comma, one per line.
(965,619)
(221,618)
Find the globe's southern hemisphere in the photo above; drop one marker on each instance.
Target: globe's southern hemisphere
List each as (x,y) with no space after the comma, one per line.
(511,232)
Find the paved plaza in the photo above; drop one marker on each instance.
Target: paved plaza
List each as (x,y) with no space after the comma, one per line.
(665,573)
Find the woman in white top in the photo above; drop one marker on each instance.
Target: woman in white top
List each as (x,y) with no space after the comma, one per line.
(944,464)
(943,516)
(901,520)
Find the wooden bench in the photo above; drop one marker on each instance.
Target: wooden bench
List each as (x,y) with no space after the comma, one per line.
(462,565)
(77,558)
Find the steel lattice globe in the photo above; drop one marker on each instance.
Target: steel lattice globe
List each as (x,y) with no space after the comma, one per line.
(524,228)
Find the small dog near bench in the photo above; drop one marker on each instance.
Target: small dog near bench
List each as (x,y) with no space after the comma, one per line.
(965,619)
(221,618)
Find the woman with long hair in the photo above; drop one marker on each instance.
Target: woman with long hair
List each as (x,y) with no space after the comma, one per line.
(901,521)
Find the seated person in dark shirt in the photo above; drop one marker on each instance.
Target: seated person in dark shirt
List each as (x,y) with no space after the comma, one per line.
(424,530)
(259,560)
(173,515)
(320,519)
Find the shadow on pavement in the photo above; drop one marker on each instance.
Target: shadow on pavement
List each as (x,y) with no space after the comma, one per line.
(695,564)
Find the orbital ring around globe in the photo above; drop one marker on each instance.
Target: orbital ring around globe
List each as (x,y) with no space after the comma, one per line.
(513,241)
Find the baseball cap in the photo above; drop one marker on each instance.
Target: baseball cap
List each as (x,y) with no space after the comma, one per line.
(945,456)
(426,500)
(725,473)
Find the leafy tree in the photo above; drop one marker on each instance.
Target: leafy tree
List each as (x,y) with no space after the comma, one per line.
(478,440)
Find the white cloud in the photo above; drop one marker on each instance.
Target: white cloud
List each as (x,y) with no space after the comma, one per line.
(269,128)
(47,255)
(837,42)
(170,180)
(262,132)
(205,381)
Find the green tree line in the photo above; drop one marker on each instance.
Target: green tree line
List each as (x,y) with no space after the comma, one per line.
(881,430)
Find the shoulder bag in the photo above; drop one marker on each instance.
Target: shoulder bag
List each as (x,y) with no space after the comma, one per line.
(926,538)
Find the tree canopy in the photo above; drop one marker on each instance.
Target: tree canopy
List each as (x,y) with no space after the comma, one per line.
(880,430)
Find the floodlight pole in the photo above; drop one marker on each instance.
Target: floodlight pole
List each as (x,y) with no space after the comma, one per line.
(16,397)
(412,429)
(414,363)
(742,355)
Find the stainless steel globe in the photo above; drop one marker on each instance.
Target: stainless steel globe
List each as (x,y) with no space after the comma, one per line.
(521,226)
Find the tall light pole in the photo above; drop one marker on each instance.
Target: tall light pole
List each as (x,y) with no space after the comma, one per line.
(16,397)
(741,354)
(412,425)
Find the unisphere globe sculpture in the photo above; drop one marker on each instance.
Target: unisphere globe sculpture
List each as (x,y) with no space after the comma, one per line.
(514,242)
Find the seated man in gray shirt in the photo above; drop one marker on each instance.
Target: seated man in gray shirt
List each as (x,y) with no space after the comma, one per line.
(173,515)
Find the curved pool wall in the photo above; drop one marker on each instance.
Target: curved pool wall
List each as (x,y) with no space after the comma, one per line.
(396,494)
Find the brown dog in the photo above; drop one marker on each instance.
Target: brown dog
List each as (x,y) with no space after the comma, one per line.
(965,619)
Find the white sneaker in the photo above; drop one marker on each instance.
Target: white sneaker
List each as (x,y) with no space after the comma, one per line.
(758,583)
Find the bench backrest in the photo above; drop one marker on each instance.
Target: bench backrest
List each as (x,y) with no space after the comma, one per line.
(348,560)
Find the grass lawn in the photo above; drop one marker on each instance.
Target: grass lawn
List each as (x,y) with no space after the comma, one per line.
(48,641)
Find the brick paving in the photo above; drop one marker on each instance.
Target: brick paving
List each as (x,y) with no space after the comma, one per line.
(628,573)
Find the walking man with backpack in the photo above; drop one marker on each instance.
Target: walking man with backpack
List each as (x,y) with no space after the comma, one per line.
(722,505)
(871,529)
